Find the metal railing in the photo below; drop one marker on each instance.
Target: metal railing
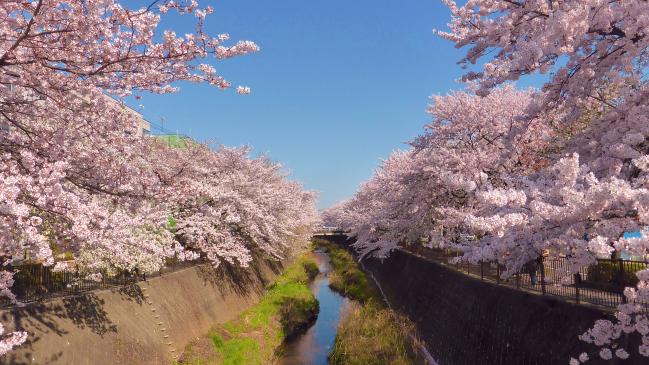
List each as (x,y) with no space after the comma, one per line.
(601,284)
(35,282)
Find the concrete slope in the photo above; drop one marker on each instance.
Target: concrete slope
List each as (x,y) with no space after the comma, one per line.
(144,324)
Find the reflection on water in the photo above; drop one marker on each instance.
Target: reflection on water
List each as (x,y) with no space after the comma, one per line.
(313,347)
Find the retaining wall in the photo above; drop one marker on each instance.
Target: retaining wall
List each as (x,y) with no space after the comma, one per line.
(467,321)
(147,323)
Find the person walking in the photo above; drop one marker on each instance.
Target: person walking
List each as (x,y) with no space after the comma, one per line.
(531,268)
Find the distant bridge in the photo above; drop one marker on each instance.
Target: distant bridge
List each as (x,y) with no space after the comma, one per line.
(329,231)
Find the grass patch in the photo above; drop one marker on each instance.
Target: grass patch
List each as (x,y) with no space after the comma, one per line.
(238,350)
(287,308)
(372,334)
(347,278)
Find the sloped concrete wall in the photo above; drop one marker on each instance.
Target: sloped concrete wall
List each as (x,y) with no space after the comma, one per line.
(147,323)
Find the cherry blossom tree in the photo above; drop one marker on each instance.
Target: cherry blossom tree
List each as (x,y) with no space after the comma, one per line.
(52,46)
(595,54)
(471,145)
(226,203)
(76,178)
(376,213)
(568,176)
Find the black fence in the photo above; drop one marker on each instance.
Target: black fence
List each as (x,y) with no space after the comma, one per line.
(35,282)
(601,284)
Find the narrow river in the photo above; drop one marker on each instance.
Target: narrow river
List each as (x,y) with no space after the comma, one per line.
(314,346)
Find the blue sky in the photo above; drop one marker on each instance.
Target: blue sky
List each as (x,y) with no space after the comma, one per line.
(337,85)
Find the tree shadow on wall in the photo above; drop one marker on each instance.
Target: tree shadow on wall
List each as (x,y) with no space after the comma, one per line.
(86,311)
(28,358)
(276,266)
(132,293)
(230,278)
(39,320)
(42,320)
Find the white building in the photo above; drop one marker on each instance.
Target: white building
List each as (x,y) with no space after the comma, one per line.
(143,127)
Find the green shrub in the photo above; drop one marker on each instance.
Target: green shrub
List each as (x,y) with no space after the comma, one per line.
(297,314)
(607,273)
(171,224)
(311,269)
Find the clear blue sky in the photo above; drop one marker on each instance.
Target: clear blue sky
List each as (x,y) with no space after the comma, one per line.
(337,85)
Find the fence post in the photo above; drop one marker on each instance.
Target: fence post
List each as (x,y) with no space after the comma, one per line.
(498,273)
(77,277)
(542,275)
(577,279)
(621,278)
(481,270)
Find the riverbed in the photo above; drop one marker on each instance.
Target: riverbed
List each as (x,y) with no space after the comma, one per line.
(314,345)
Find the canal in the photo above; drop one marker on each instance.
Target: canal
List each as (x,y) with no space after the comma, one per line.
(314,345)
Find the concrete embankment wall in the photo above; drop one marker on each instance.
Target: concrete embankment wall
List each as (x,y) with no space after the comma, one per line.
(147,323)
(466,321)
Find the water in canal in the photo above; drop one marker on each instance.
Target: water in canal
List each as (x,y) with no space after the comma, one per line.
(313,346)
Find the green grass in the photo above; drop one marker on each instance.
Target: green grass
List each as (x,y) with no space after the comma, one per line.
(347,278)
(288,290)
(237,350)
(287,307)
(175,141)
(370,333)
